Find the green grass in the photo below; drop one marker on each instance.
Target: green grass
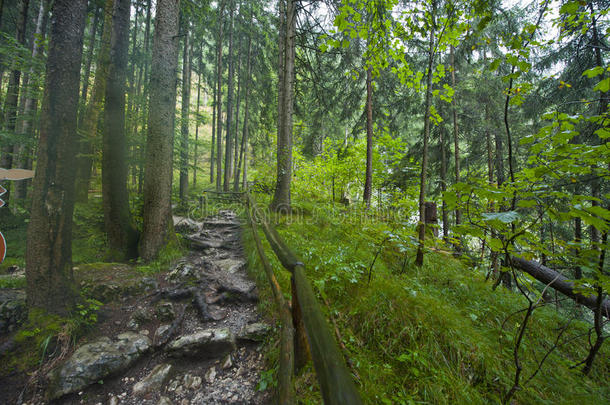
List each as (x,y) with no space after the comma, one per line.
(438,334)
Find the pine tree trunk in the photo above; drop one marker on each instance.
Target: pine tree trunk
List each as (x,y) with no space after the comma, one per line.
(221,9)
(281,197)
(456,144)
(50,285)
(419,260)
(184,116)
(236,146)
(213,148)
(143,98)
(31,101)
(368,182)
(122,235)
(159,142)
(88,62)
(444,182)
(244,136)
(195,155)
(229,136)
(88,129)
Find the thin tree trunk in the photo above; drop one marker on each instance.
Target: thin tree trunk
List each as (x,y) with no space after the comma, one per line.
(12,95)
(131,124)
(244,136)
(89,60)
(444,182)
(229,136)
(456,146)
(212,150)
(419,260)
(88,129)
(122,235)
(368,182)
(195,156)
(219,98)
(50,283)
(234,167)
(184,117)
(159,142)
(31,101)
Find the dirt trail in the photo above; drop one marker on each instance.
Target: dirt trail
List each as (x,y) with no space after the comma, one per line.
(207,290)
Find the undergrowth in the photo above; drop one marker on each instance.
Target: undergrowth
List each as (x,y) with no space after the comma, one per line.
(436,334)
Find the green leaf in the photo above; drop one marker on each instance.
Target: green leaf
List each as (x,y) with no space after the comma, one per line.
(593,72)
(569,8)
(603,86)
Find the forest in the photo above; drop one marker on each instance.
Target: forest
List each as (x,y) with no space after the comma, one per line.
(304,201)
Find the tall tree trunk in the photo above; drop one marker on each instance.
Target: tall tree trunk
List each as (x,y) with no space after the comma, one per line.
(12,95)
(229,136)
(88,129)
(419,260)
(281,197)
(89,61)
(184,116)
(212,149)
(244,136)
(221,9)
(159,142)
(50,285)
(122,235)
(444,182)
(143,99)
(234,168)
(195,156)
(31,101)
(368,182)
(131,121)
(456,144)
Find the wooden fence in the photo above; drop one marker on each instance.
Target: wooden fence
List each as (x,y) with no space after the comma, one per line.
(307,326)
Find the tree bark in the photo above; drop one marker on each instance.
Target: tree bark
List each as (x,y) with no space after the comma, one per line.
(456,146)
(445,216)
(419,260)
(212,149)
(88,128)
(244,136)
(281,197)
(560,283)
(50,285)
(184,116)
(368,181)
(159,142)
(122,235)
(229,136)
(221,9)
(195,156)
(236,146)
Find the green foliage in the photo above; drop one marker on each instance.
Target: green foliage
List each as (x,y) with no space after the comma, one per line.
(436,334)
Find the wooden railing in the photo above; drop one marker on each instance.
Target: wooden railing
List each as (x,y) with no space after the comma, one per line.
(308,326)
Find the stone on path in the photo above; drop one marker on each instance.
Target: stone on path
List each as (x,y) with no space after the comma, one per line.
(203,343)
(94,361)
(154,380)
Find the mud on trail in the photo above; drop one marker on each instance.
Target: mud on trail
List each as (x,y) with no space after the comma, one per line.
(193,338)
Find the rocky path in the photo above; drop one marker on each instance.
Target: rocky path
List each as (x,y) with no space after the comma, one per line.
(192,338)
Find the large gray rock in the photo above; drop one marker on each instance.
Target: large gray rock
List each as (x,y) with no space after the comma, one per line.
(95,361)
(154,380)
(204,343)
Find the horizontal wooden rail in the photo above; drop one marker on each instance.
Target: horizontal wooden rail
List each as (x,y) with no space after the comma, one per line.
(335,380)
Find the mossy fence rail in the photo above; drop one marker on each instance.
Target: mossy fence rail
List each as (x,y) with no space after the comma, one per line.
(304,330)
